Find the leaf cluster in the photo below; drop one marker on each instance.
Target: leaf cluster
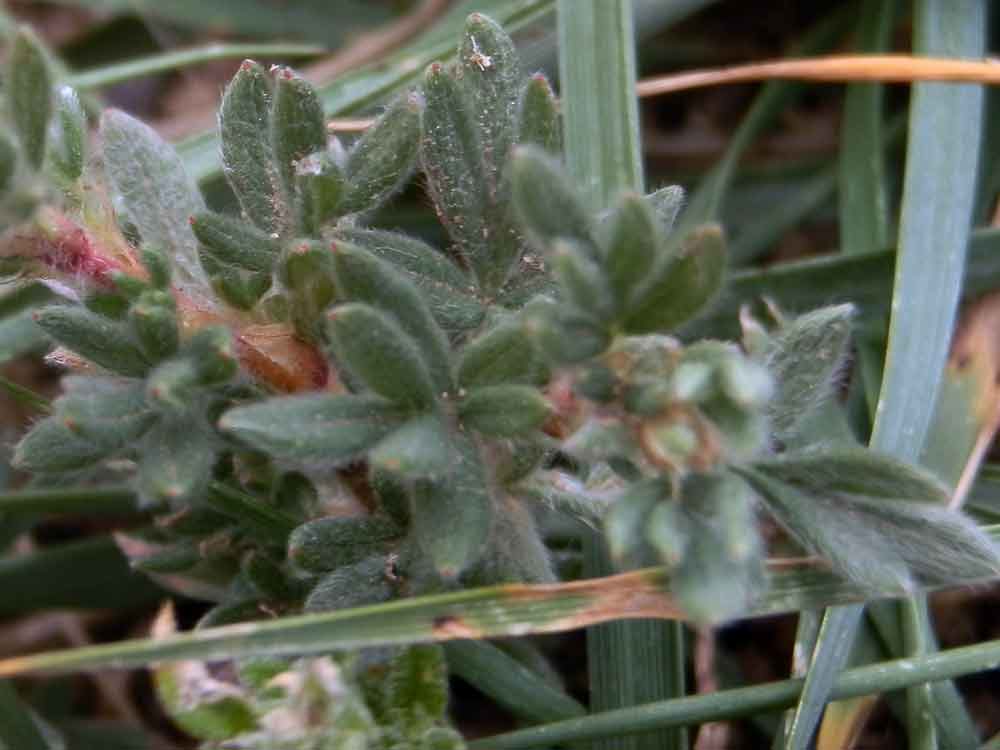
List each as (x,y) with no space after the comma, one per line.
(322,414)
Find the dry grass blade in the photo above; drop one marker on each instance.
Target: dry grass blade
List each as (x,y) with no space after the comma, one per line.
(835,68)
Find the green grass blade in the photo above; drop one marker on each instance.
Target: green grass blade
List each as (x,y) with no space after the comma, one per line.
(91,574)
(864,279)
(863,200)
(629,662)
(493,612)
(109,75)
(600,108)
(520,690)
(706,202)
(938,194)
(864,225)
(89,500)
(17,728)
(740,702)
(317,20)
(938,199)
(833,648)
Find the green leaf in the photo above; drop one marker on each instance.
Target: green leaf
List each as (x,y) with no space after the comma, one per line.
(8,163)
(629,516)
(635,241)
(420,448)
(20,334)
(248,155)
(176,462)
(546,202)
(153,191)
(104,342)
(314,427)
(452,516)
(722,569)
(504,410)
(375,348)
(416,689)
(268,578)
(538,116)
(328,543)
(502,355)
(855,471)
(52,446)
(490,74)
(451,156)
(108,412)
(306,270)
(358,91)
(877,544)
(153,319)
(234,242)
(298,127)
(362,277)
(382,159)
(28,84)
(805,357)
(679,286)
(668,531)
(68,135)
(584,282)
(446,288)
(355,585)
(213,353)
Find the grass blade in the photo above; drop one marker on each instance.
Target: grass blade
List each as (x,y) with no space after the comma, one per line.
(493,612)
(864,225)
(110,75)
(864,279)
(510,683)
(833,648)
(706,202)
(629,663)
(938,199)
(89,500)
(17,728)
(732,704)
(90,574)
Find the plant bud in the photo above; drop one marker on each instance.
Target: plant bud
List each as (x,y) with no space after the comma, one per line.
(538,116)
